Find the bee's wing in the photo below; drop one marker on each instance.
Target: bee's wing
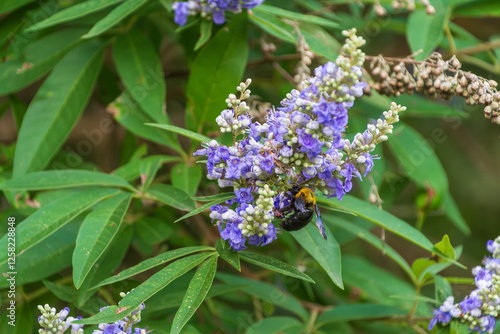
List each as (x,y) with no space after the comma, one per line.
(319,222)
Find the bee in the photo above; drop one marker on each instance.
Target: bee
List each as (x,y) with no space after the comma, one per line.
(303,205)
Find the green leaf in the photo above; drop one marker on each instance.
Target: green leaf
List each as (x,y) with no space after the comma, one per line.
(273,325)
(153,262)
(272,25)
(51,217)
(326,252)
(187,177)
(175,298)
(109,261)
(478,8)
(148,170)
(198,288)
(54,110)
(18,108)
(140,69)
(219,197)
(64,178)
(172,196)
(114,17)
(375,283)
(46,258)
(365,235)
(442,289)
(74,12)
(215,72)
(228,255)
(131,170)
(453,214)
(204,207)
(418,159)
(38,58)
(273,264)
(296,16)
(344,313)
(205,34)
(147,289)
(6,5)
(445,247)
(96,233)
(129,114)
(424,31)
(320,41)
(267,292)
(384,219)
(182,131)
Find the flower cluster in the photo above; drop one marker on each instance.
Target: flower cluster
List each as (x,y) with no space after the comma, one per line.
(214,9)
(52,321)
(57,323)
(436,78)
(480,308)
(299,144)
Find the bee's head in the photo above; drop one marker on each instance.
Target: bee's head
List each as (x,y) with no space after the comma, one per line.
(307,196)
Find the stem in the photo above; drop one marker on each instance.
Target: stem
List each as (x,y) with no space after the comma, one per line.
(312,320)
(411,315)
(478,48)
(449,37)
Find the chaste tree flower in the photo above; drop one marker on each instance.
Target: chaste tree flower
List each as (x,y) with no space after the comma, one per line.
(55,322)
(299,144)
(214,9)
(479,309)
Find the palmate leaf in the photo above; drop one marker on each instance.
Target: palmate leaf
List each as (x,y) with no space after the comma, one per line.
(74,12)
(344,313)
(227,196)
(96,233)
(198,288)
(172,196)
(38,58)
(187,177)
(326,252)
(215,72)
(230,256)
(275,325)
(153,262)
(6,5)
(46,258)
(267,292)
(51,217)
(147,289)
(66,178)
(140,69)
(424,32)
(418,159)
(273,264)
(56,107)
(130,115)
(382,218)
(114,17)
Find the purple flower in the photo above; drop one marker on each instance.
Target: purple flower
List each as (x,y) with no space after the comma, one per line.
(251,3)
(482,277)
(181,10)
(267,163)
(443,317)
(219,17)
(234,167)
(244,195)
(470,303)
(265,239)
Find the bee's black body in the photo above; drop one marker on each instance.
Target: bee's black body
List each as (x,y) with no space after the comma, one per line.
(302,206)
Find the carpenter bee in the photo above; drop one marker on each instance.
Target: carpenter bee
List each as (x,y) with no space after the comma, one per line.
(303,205)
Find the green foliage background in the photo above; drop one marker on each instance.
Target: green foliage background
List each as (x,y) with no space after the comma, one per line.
(98,175)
